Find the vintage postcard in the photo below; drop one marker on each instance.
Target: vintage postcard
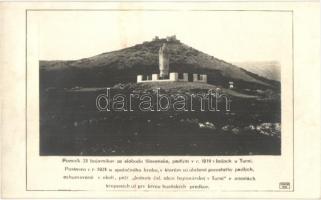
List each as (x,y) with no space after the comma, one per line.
(160,100)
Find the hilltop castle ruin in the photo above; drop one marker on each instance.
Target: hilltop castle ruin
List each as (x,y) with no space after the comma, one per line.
(164,74)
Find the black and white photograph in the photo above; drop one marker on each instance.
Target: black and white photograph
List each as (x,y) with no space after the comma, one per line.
(161,83)
(160,99)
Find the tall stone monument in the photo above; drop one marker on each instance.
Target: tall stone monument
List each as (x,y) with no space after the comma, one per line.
(164,61)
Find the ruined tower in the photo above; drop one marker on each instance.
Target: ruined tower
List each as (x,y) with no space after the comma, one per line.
(163,61)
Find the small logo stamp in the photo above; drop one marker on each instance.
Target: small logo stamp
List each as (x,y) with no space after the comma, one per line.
(284,185)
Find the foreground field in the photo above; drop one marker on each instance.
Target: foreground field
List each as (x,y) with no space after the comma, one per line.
(71,125)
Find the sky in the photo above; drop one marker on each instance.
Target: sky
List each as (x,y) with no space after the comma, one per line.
(234,36)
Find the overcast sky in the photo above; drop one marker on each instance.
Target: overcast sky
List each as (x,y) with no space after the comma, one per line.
(233,36)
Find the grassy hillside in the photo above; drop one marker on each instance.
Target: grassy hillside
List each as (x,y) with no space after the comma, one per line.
(122,66)
(71,124)
(268,69)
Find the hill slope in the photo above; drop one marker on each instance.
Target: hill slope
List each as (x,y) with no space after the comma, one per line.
(122,66)
(267,69)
